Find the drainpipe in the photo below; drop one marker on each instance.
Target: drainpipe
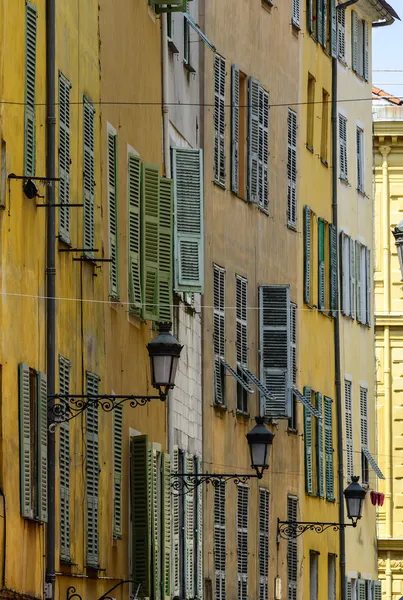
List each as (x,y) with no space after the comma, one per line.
(51,283)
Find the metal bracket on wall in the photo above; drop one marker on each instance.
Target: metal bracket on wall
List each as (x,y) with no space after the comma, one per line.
(73,594)
(289,530)
(185,483)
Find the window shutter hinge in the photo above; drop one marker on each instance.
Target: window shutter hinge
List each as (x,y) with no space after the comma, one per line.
(48,591)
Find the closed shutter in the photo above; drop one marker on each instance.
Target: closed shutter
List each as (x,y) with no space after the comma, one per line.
(113,214)
(64,157)
(165,239)
(235,129)
(366,50)
(343,147)
(309,15)
(27,506)
(292,169)
(321,264)
(42,448)
(358,280)
(189,533)
(64,464)
(92,474)
(140,504)
(352,277)
(263,177)
(308,442)
(275,351)
(156,522)
(199,534)
(189,219)
(219,333)
(219,119)
(368,282)
(333,269)
(329,473)
(364,429)
(292,551)
(176,528)
(360,159)
(166,525)
(149,240)
(376,590)
(220,545)
(295,12)
(319,444)
(324,21)
(117,420)
(89,178)
(354,40)
(307,255)
(241,321)
(333,27)
(31,16)
(361,590)
(253,140)
(349,590)
(263,544)
(348,417)
(134,265)
(293,342)
(345,274)
(341,34)
(242,541)
(319,21)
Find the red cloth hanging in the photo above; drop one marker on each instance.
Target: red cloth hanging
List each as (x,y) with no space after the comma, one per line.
(374,498)
(381,499)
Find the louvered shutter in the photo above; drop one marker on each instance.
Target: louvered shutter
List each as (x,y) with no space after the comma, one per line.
(329,474)
(113,214)
(308,442)
(31,16)
(348,417)
(364,425)
(263,544)
(64,157)
(253,140)
(64,465)
(361,593)
(241,301)
(324,21)
(368,285)
(307,255)
(155,524)
(176,528)
(189,219)
(354,40)
(321,264)
(343,147)
(166,524)
(309,15)
(89,178)
(359,150)
(199,533)
(292,552)
(366,50)
(358,280)
(134,277)
(295,12)
(292,169)
(319,444)
(333,28)
(219,119)
(345,273)
(242,541)
(333,269)
(92,474)
(376,590)
(275,350)
(235,129)
(341,34)
(149,240)
(220,545)
(349,590)
(219,333)
(263,177)
(293,342)
(189,533)
(319,21)
(140,503)
(165,245)
(42,448)
(117,420)
(27,508)
(352,277)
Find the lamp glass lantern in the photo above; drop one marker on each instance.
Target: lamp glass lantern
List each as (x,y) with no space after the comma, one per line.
(164,352)
(260,440)
(354,495)
(398,235)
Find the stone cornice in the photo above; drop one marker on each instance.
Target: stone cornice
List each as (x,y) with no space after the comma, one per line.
(393,320)
(391,544)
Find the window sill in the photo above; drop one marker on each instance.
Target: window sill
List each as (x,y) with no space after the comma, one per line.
(241,198)
(267,5)
(263,210)
(219,184)
(324,162)
(292,431)
(67,562)
(295,27)
(342,61)
(344,180)
(292,227)
(172,47)
(331,500)
(361,77)
(241,413)
(361,193)
(65,241)
(220,407)
(310,148)
(188,67)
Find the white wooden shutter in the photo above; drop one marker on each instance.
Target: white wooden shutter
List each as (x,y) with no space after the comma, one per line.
(341,34)
(307,255)
(263,148)
(376,590)
(263,544)
(64,464)
(253,140)
(333,28)
(27,507)
(292,552)
(113,213)
(235,129)
(241,320)
(166,525)
(189,219)
(219,119)
(361,591)
(345,273)
(328,424)
(352,277)
(293,342)
(292,169)
(360,159)
(199,533)
(348,417)
(366,50)
(242,541)
(363,424)
(176,528)
(358,280)
(343,147)
(64,157)
(42,447)
(189,532)
(275,351)
(219,333)
(220,545)
(92,474)
(89,177)
(295,12)
(117,421)
(368,286)
(354,40)
(156,521)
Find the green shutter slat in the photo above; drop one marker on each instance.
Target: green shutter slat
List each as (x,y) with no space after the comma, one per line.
(89,177)
(308,442)
(155,524)
(140,502)
(92,474)
(134,271)
(319,445)
(149,239)
(329,474)
(165,247)
(42,448)
(189,219)
(253,140)
(64,465)
(113,214)
(166,524)
(333,28)
(30,90)
(321,264)
(117,420)
(333,269)
(64,158)
(25,442)
(307,255)
(235,129)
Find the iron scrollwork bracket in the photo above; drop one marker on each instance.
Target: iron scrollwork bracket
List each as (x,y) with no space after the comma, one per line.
(72,593)
(184,483)
(289,530)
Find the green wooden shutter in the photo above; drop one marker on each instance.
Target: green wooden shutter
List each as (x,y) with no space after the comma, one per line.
(333,28)
(307,255)
(64,157)
(295,12)
(31,16)
(64,465)
(27,509)
(253,140)
(42,448)
(333,269)
(343,148)
(189,534)
(92,474)
(341,33)
(117,470)
(319,21)
(89,177)
(176,528)
(235,129)
(155,524)
(324,27)
(308,442)
(166,524)
(354,40)
(165,247)
(149,239)
(113,213)
(358,281)
(329,474)
(366,50)
(319,445)
(134,266)
(199,533)
(321,264)
(219,333)
(189,219)
(309,15)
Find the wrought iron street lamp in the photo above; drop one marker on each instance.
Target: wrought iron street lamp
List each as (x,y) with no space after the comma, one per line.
(260,439)
(354,495)
(164,352)
(398,235)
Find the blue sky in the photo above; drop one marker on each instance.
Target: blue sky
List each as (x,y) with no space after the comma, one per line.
(387,53)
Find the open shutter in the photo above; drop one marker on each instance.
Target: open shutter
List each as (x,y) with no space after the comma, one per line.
(361,590)
(241,301)
(264,500)
(292,169)
(368,284)
(25,442)
(352,277)
(343,147)
(341,34)
(307,255)
(319,21)
(64,157)
(308,442)
(219,334)
(359,151)
(333,28)
(220,543)
(199,533)
(358,281)
(263,170)
(354,40)
(89,178)
(275,349)
(31,16)
(319,443)
(253,140)
(292,551)
(149,239)
(42,448)
(295,12)
(376,590)
(134,278)
(219,119)
(324,20)
(333,269)
(113,214)
(309,15)
(366,50)
(293,342)
(165,239)
(155,523)
(363,428)
(189,219)
(235,129)
(242,541)
(321,264)
(64,465)
(176,528)
(349,590)
(117,470)
(166,525)
(348,418)
(329,474)
(92,474)
(189,534)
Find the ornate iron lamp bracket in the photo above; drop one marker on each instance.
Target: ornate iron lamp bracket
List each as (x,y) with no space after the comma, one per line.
(73,595)
(289,530)
(184,483)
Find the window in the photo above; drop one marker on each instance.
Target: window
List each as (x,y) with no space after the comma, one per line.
(356,280)
(292,169)
(64,465)
(186,40)
(343,148)
(310,112)
(31,16)
(321,22)
(220,546)
(360,160)
(258,144)
(319,445)
(117,448)
(242,542)
(329,472)
(308,275)
(362,260)
(348,273)
(239,131)
(64,158)
(333,275)
(241,338)
(263,544)
(219,119)
(325,127)
(331,576)
(134,258)
(313,575)
(341,34)
(113,212)
(33,443)
(219,334)
(359,45)
(292,551)
(292,421)
(364,434)
(89,178)
(295,13)
(348,419)
(310,443)
(92,474)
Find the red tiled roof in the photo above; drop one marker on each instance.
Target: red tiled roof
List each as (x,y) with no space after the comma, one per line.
(378,93)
